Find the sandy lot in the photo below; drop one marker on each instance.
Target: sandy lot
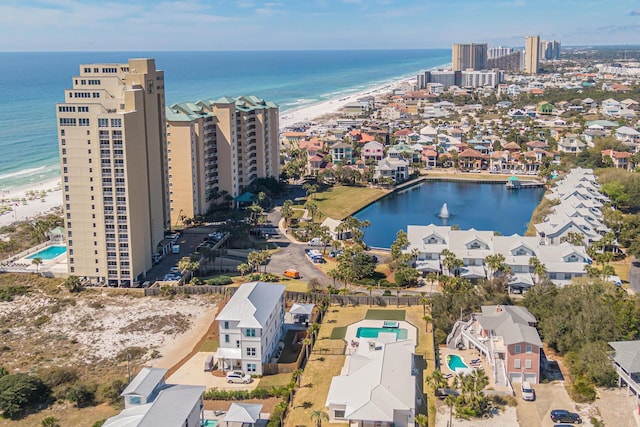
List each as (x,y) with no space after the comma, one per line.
(95,326)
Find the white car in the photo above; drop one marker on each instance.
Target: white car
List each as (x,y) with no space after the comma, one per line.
(238,377)
(527,392)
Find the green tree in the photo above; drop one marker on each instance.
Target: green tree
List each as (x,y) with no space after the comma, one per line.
(421,420)
(19,391)
(495,262)
(287,212)
(243,268)
(573,238)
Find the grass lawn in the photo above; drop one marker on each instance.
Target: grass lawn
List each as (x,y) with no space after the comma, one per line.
(269,381)
(209,345)
(338,332)
(374,314)
(622,268)
(339,202)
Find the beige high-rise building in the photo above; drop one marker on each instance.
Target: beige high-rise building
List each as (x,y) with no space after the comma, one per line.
(469,56)
(111,135)
(218,148)
(532,55)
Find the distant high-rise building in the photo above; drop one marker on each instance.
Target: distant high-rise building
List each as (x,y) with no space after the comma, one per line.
(532,55)
(550,49)
(111,135)
(216,147)
(483,78)
(511,62)
(499,52)
(469,55)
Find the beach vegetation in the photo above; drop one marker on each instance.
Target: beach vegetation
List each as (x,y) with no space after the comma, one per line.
(19,392)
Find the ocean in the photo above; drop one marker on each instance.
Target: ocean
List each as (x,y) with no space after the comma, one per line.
(32,82)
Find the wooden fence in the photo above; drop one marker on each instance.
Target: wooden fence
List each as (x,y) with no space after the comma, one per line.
(302,297)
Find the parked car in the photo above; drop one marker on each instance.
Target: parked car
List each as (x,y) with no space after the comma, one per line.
(291,273)
(316,241)
(564,416)
(238,377)
(528,393)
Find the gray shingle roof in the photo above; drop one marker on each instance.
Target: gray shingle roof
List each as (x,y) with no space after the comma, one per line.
(627,355)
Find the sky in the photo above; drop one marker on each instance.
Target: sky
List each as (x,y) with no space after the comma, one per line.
(156,25)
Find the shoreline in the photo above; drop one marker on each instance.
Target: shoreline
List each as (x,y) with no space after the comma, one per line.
(322,108)
(29,201)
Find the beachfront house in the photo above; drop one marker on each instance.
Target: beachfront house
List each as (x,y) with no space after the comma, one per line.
(376,387)
(626,362)
(150,401)
(250,326)
(506,335)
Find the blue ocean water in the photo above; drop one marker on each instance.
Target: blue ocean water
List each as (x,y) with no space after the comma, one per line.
(31,83)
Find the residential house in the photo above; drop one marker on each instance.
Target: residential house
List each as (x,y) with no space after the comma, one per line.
(372,150)
(544,109)
(506,335)
(149,401)
(571,143)
(250,326)
(620,159)
(471,159)
(610,107)
(628,134)
(396,169)
(626,362)
(430,157)
(377,387)
(333,227)
(341,152)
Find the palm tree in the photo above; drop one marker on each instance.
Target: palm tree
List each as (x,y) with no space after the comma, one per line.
(495,262)
(319,416)
(286,212)
(370,289)
(307,347)
(37,261)
(73,284)
(539,269)
(432,277)
(243,268)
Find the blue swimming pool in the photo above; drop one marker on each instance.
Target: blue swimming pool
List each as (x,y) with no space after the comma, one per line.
(363,332)
(454,362)
(210,423)
(50,252)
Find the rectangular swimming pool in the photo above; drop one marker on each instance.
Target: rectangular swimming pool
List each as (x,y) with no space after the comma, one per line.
(209,423)
(363,332)
(50,252)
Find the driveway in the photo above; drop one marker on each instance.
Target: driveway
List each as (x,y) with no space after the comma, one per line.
(634,276)
(548,396)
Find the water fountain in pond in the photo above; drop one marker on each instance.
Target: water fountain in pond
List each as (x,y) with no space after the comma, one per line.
(444,212)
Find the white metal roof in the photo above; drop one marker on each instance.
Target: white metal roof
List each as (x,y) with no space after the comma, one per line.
(252,304)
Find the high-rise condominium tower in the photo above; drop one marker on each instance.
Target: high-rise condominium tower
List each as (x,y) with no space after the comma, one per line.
(532,55)
(470,55)
(111,135)
(218,148)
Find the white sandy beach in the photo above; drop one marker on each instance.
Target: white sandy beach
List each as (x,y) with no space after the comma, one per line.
(22,208)
(331,106)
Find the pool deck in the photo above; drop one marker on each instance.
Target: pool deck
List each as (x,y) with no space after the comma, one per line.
(467,356)
(21,263)
(353,342)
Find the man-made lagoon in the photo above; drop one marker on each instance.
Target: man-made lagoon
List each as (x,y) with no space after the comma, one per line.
(483,206)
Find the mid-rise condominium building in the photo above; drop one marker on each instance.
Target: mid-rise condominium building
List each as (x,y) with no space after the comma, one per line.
(111,135)
(532,55)
(446,78)
(511,62)
(216,148)
(469,55)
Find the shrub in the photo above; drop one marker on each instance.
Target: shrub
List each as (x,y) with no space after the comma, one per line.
(19,391)
(110,392)
(196,281)
(8,292)
(440,336)
(253,277)
(58,375)
(50,422)
(583,390)
(98,423)
(82,395)
(220,281)
(42,320)
(268,277)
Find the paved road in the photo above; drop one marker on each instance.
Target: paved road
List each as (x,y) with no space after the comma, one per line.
(634,276)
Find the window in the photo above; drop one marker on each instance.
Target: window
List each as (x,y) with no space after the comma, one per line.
(66,109)
(250,333)
(251,367)
(64,121)
(83,122)
(516,363)
(84,109)
(226,338)
(251,351)
(116,123)
(518,349)
(529,349)
(527,364)
(226,325)
(135,400)
(237,343)
(103,123)
(338,414)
